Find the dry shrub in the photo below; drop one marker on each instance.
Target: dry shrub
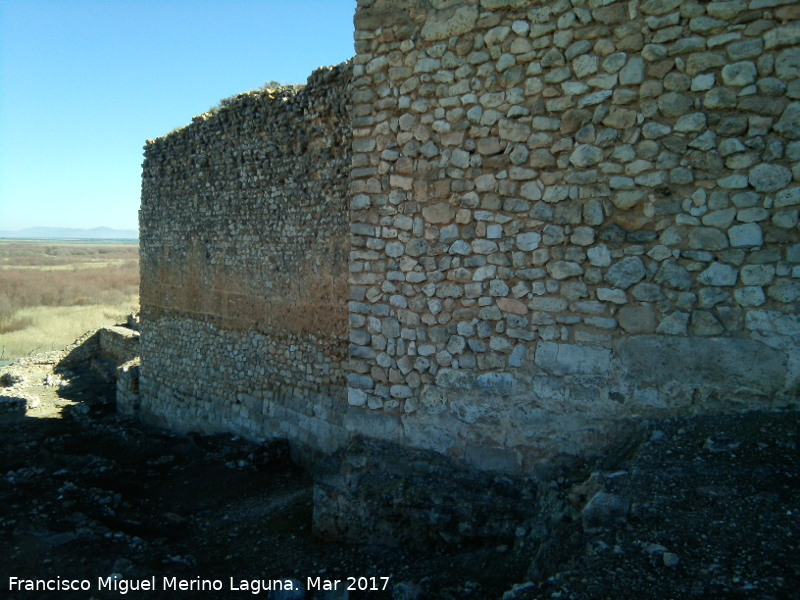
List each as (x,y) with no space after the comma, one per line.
(51,293)
(10,324)
(20,288)
(27,254)
(8,321)
(56,275)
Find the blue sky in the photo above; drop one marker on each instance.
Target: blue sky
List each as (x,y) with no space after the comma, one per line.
(83,84)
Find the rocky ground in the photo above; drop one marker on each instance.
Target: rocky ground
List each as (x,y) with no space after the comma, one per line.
(705,507)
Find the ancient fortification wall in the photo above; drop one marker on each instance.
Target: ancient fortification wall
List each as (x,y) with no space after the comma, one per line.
(568,213)
(244,266)
(562,215)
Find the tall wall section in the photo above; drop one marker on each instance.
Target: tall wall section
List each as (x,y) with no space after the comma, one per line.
(244,258)
(568,213)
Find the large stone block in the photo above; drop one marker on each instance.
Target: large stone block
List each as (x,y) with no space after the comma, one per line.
(372,14)
(572,359)
(626,272)
(775,329)
(726,363)
(445,25)
(374,424)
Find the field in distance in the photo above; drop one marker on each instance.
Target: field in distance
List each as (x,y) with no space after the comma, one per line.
(53,291)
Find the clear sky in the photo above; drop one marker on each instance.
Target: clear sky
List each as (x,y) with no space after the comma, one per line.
(83,84)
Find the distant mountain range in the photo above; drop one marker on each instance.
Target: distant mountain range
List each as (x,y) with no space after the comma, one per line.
(60,233)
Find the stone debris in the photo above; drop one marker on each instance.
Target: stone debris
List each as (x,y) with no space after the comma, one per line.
(55,381)
(17,403)
(11,379)
(138,503)
(605,510)
(712,505)
(717,445)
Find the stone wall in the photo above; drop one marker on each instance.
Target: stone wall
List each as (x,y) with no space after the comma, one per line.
(244,266)
(563,216)
(128,400)
(104,351)
(567,214)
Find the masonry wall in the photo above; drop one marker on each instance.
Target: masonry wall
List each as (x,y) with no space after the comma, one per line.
(568,214)
(244,266)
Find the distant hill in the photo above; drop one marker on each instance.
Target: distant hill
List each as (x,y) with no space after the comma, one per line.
(60,233)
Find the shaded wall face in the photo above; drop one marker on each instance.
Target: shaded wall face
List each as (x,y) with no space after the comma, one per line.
(566,213)
(244,266)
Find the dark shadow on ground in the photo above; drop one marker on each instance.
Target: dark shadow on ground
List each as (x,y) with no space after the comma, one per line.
(90,496)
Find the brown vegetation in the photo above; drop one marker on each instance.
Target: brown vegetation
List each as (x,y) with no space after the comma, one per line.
(63,274)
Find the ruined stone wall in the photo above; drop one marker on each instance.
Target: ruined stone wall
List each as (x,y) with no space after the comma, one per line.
(568,213)
(244,266)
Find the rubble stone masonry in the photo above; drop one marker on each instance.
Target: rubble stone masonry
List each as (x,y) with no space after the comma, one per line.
(563,215)
(244,266)
(568,213)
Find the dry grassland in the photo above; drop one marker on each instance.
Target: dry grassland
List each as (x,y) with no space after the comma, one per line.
(53,292)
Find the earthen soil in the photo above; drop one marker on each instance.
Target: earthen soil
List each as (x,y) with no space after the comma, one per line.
(87,495)
(710,509)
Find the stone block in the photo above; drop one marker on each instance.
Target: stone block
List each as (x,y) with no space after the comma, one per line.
(563,269)
(626,272)
(659,7)
(572,359)
(769,177)
(750,296)
(637,319)
(746,49)
(441,26)
(788,35)
(718,274)
(704,323)
(707,238)
(746,236)
(775,329)
(739,74)
(502,384)
(789,125)
(512,306)
(439,213)
(677,323)
(727,363)
(784,290)
(586,155)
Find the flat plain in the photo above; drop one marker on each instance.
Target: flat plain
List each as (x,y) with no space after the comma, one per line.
(53,291)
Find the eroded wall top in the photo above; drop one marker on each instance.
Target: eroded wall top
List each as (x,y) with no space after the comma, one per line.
(243,211)
(244,253)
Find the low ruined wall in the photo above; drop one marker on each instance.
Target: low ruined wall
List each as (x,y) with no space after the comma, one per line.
(244,266)
(128,400)
(105,350)
(568,214)
(119,344)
